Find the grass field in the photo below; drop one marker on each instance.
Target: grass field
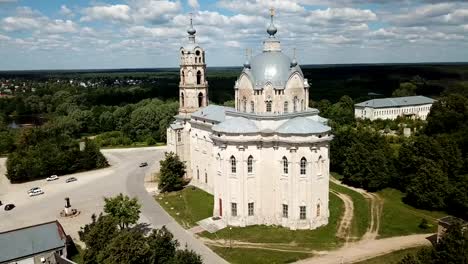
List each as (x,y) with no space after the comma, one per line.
(361,212)
(187,206)
(391,258)
(319,239)
(258,256)
(400,219)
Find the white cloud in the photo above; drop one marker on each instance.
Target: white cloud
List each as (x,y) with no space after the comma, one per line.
(232,43)
(4,38)
(341,15)
(120,13)
(262,6)
(20,23)
(193,4)
(155,11)
(65,11)
(60,26)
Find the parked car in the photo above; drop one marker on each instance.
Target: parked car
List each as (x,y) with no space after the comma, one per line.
(33,189)
(72,179)
(52,178)
(143,164)
(8,207)
(36,192)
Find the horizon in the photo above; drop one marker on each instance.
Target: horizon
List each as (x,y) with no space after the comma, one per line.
(85,34)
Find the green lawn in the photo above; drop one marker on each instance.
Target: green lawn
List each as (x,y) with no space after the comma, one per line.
(258,256)
(400,219)
(391,258)
(361,217)
(187,206)
(320,239)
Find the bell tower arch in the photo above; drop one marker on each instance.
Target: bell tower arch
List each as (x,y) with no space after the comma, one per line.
(193,86)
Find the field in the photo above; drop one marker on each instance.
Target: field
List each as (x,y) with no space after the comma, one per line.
(258,256)
(391,258)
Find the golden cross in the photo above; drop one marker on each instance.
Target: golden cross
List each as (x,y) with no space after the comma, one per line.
(272,11)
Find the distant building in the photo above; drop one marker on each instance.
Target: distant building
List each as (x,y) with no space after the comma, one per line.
(445,222)
(417,107)
(266,161)
(42,243)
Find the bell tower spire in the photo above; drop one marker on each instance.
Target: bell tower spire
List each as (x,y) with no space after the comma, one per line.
(193,86)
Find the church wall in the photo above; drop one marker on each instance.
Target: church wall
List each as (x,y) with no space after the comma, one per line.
(202,158)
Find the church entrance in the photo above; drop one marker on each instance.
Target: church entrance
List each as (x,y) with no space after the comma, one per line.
(220,207)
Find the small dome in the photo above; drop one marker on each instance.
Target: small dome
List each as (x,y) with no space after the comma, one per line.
(191,30)
(271,30)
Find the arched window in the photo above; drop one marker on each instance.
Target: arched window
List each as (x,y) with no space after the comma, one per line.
(206,177)
(244,104)
(268,106)
(200,100)
(198,174)
(318,209)
(320,165)
(250,164)
(295,104)
(285,165)
(198,77)
(183,76)
(302,105)
(182,99)
(219,162)
(303,166)
(252,107)
(286,106)
(233,165)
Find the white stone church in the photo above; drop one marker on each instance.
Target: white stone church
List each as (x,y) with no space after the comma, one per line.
(266,161)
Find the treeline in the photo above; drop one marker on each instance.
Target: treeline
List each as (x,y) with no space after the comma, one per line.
(41,152)
(430,167)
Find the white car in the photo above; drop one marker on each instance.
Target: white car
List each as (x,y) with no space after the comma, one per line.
(36,192)
(33,189)
(52,178)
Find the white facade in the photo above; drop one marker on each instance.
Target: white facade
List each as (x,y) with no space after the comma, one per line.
(266,161)
(391,108)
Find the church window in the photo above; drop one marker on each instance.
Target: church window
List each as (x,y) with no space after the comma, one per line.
(318,210)
(303,166)
(285,165)
(198,77)
(233,209)
(302,105)
(250,207)
(233,165)
(219,162)
(197,53)
(198,174)
(200,100)
(252,107)
(295,104)
(206,177)
(244,104)
(268,106)
(179,137)
(250,164)
(285,211)
(302,212)
(320,165)
(182,99)
(286,106)
(183,77)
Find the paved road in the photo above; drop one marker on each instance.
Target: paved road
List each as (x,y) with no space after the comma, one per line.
(86,195)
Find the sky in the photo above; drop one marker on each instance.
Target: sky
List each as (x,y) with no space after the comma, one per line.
(103,34)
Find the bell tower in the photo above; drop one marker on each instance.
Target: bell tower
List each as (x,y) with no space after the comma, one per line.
(193,87)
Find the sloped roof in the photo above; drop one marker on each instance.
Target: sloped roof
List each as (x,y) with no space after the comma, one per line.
(32,240)
(396,102)
(212,113)
(176,126)
(236,125)
(302,125)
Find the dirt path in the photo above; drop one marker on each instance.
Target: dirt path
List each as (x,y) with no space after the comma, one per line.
(345,224)
(366,249)
(376,207)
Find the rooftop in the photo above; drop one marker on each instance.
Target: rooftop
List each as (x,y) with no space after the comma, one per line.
(29,241)
(396,102)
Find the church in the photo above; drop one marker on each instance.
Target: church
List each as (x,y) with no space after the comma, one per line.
(265,161)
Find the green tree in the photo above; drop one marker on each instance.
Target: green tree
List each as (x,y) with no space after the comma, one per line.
(124,209)
(162,246)
(127,247)
(186,256)
(405,89)
(171,174)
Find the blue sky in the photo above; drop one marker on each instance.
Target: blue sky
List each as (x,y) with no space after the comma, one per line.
(85,34)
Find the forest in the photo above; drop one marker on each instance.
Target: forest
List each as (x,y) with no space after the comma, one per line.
(128,107)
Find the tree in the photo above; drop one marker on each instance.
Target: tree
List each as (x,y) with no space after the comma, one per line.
(171,174)
(405,89)
(127,247)
(186,256)
(124,209)
(97,235)
(162,246)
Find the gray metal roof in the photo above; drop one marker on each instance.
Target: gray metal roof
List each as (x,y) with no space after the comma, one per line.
(212,113)
(28,241)
(236,125)
(271,66)
(176,126)
(396,102)
(302,125)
